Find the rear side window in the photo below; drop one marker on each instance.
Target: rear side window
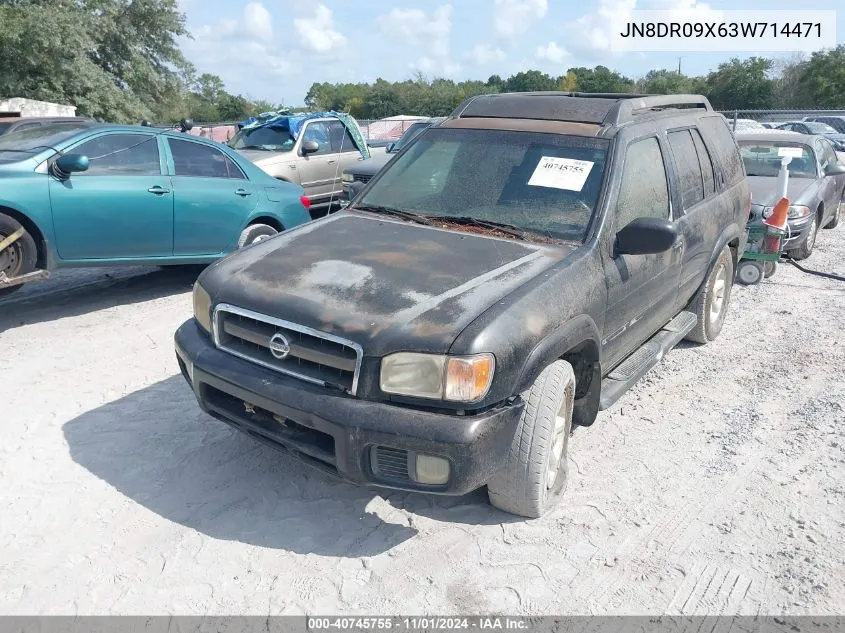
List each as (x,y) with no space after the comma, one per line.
(644,191)
(705,162)
(688,167)
(195,159)
(725,150)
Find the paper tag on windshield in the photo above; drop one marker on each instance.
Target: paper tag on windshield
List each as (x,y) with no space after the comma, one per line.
(561,173)
(792,152)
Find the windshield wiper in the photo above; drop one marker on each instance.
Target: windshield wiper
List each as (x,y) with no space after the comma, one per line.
(405,215)
(465,220)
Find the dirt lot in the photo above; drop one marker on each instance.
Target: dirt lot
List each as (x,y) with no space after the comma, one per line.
(716,486)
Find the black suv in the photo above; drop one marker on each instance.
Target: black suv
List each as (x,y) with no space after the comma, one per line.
(510,273)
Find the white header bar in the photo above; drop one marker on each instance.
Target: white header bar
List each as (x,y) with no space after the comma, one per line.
(712,30)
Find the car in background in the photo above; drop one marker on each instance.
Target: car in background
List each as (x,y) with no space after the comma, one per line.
(314,157)
(816,127)
(363,171)
(834,121)
(91,195)
(815,189)
(741,125)
(9,124)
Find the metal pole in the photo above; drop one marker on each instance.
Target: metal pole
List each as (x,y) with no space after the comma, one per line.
(735,115)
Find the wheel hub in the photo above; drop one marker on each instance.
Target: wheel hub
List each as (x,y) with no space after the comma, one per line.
(10,258)
(717,302)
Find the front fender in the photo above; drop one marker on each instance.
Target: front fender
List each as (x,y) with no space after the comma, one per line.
(572,335)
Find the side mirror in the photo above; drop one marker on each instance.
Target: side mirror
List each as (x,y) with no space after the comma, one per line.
(310,147)
(186,125)
(355,188)
(390,147)
(70,163)
(646,236)
(834,169)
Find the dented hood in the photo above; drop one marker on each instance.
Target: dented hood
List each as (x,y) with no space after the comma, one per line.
(387,285)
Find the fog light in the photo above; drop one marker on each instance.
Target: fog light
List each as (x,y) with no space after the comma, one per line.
(432,470)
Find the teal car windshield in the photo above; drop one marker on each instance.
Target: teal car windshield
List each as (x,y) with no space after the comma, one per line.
(33,140)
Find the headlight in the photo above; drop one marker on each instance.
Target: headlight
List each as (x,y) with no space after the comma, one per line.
(797,211)
(347,177)
(454,378)
(202,307)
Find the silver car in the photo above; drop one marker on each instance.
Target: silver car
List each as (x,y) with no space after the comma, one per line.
(314,160)
(816,182)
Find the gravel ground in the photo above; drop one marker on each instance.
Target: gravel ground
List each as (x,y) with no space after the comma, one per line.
(715,486)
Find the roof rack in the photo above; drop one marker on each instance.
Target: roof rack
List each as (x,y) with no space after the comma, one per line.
(626,110)
(606,109)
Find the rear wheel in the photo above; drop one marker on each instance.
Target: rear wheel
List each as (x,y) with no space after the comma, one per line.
(255,233)
(835,219)
(535,474)
(770,268)
(710,303)
(20,257)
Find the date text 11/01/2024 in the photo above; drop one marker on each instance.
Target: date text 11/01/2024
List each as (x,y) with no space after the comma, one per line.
(721,30)
(422,623)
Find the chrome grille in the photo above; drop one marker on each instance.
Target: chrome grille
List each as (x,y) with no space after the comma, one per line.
(363,178)
(313,356)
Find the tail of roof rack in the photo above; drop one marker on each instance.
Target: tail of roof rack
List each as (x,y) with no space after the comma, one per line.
(606,109)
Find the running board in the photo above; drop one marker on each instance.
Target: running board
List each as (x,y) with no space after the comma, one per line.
(638,364)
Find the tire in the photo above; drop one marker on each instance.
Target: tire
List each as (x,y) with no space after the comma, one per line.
(710,303)
(769,269)
(535,475)
(256,233)
(749,272)
(834,221)
(20,257)
(806,249)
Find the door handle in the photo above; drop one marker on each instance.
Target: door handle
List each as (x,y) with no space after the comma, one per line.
(331,162)
(243,193)
(158,190)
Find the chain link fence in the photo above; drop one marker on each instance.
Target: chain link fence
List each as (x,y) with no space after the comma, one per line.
(776,117)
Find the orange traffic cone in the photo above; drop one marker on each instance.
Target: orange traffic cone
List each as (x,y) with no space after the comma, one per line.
(779,215)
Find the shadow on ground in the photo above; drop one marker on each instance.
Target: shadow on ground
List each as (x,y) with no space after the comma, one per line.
(79,292)
(156,447)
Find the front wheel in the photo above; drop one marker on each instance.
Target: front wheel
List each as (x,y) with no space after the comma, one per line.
(20,257)
(534,476)
(710,304)
(806,249)
(255,233)
(749,272)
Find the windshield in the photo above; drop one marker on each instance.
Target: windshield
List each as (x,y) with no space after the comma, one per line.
(819,128)
(32,140)
(410,134)
(270,139)
(762,158)
(544,184)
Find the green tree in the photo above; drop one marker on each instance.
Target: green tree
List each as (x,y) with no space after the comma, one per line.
(741,84)
(600,79)
(115,60)
(667,82)
(529,81)
(822,78)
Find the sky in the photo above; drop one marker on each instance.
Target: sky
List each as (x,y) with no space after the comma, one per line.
(275,49)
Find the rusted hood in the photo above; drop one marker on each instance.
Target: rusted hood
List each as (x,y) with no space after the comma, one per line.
(385,284)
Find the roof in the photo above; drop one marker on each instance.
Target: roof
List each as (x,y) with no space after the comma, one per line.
(606,109)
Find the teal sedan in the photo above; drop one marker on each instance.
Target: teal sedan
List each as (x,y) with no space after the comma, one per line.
(83,195)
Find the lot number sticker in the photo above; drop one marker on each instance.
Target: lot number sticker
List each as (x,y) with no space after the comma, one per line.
(792,152)
(561,173)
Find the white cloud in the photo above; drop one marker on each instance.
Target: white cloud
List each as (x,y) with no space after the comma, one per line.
(318,33)
(552,52)
(438,67)
(414,26)
(483,54)
(591,32)
(514,17)
(258,21)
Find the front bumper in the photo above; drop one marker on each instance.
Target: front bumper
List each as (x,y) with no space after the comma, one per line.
(340,434)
